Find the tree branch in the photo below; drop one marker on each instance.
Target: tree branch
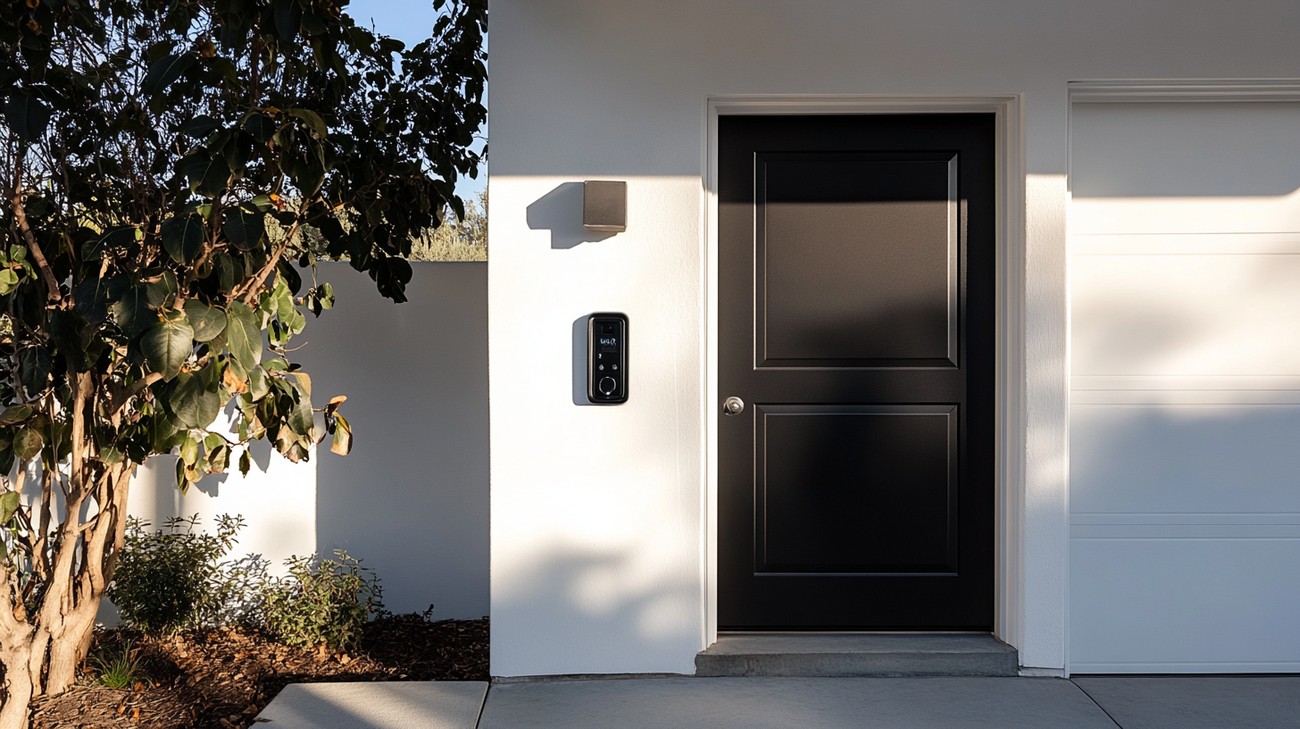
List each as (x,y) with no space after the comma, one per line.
(47,273)
(136,388)
(255,284)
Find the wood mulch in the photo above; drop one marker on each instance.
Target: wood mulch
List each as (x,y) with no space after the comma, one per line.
(222,678)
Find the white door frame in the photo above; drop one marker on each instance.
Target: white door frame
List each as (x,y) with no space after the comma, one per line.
(1010,370)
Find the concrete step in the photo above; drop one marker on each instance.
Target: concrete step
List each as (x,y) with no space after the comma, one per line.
(857,654)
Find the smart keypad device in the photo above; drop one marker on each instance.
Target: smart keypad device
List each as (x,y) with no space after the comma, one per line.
(607,358)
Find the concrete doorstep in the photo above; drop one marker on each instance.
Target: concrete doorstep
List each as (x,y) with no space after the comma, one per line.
(857,654)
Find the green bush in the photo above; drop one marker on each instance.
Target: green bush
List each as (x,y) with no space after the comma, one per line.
(324,603)
(175,578)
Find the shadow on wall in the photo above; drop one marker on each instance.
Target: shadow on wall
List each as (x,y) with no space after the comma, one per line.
(560,211)
(609,599)
(412,498)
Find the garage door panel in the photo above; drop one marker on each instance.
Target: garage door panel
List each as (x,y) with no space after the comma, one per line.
(1185,314)
(1184,168)
(1185,459)
(1185,215)
(1185,604)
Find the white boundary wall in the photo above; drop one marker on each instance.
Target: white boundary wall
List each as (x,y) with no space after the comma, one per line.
(411,500)
(599,514)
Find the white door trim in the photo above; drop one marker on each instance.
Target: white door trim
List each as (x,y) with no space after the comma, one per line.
(1010,386)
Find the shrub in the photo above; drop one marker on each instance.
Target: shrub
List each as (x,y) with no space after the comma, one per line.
(175,578)
(325,603)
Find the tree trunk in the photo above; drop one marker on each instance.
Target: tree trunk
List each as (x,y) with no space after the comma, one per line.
(15,657)
(69,646)
(41,652)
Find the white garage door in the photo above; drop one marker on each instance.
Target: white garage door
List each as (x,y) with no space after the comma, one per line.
(1185,393)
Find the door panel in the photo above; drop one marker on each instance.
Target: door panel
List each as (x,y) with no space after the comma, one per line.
(821,271)
(856,317)
(815,512)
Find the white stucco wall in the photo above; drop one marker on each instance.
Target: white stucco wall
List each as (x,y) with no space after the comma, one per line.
(411,500)
(598,532)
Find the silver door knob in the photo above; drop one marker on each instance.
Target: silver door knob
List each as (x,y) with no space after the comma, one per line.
(733,406)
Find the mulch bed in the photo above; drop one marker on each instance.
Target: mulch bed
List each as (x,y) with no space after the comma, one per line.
(222,678)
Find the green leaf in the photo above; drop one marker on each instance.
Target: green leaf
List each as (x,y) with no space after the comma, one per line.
(15,414)
(244,336)
(278,300)
(342,440)
(27,116)
(167,344)
(311,119)
(161,290)
(110,455)
(193,400)
(244,228)
(33,369)
(245,462)
(166,70)
(207,174)
(296,322)
(300,418)
(200,126)
(218,458)
(287,271)
(189,451)
(227,276)
(183,237)
(133,312)
(208,321)
(307,172)
(165,433)
(8,281)
(259,385)
(28,444)
(302,381)
(261,127)
(9,504)
(288,18)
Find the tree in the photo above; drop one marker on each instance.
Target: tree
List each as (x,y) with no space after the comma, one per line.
(161,162)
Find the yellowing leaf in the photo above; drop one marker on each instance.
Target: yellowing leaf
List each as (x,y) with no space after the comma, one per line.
(342,441)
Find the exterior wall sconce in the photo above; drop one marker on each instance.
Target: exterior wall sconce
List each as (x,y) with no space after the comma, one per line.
(604,205)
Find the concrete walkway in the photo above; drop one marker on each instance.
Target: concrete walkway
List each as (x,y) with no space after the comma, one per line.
(1193,702)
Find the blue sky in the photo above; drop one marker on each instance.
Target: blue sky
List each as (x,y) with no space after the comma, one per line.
(409,21)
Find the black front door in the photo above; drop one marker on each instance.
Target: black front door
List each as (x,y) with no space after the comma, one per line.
(856,325)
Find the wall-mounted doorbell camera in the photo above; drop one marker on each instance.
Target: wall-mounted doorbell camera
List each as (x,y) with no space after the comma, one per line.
(607,358)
